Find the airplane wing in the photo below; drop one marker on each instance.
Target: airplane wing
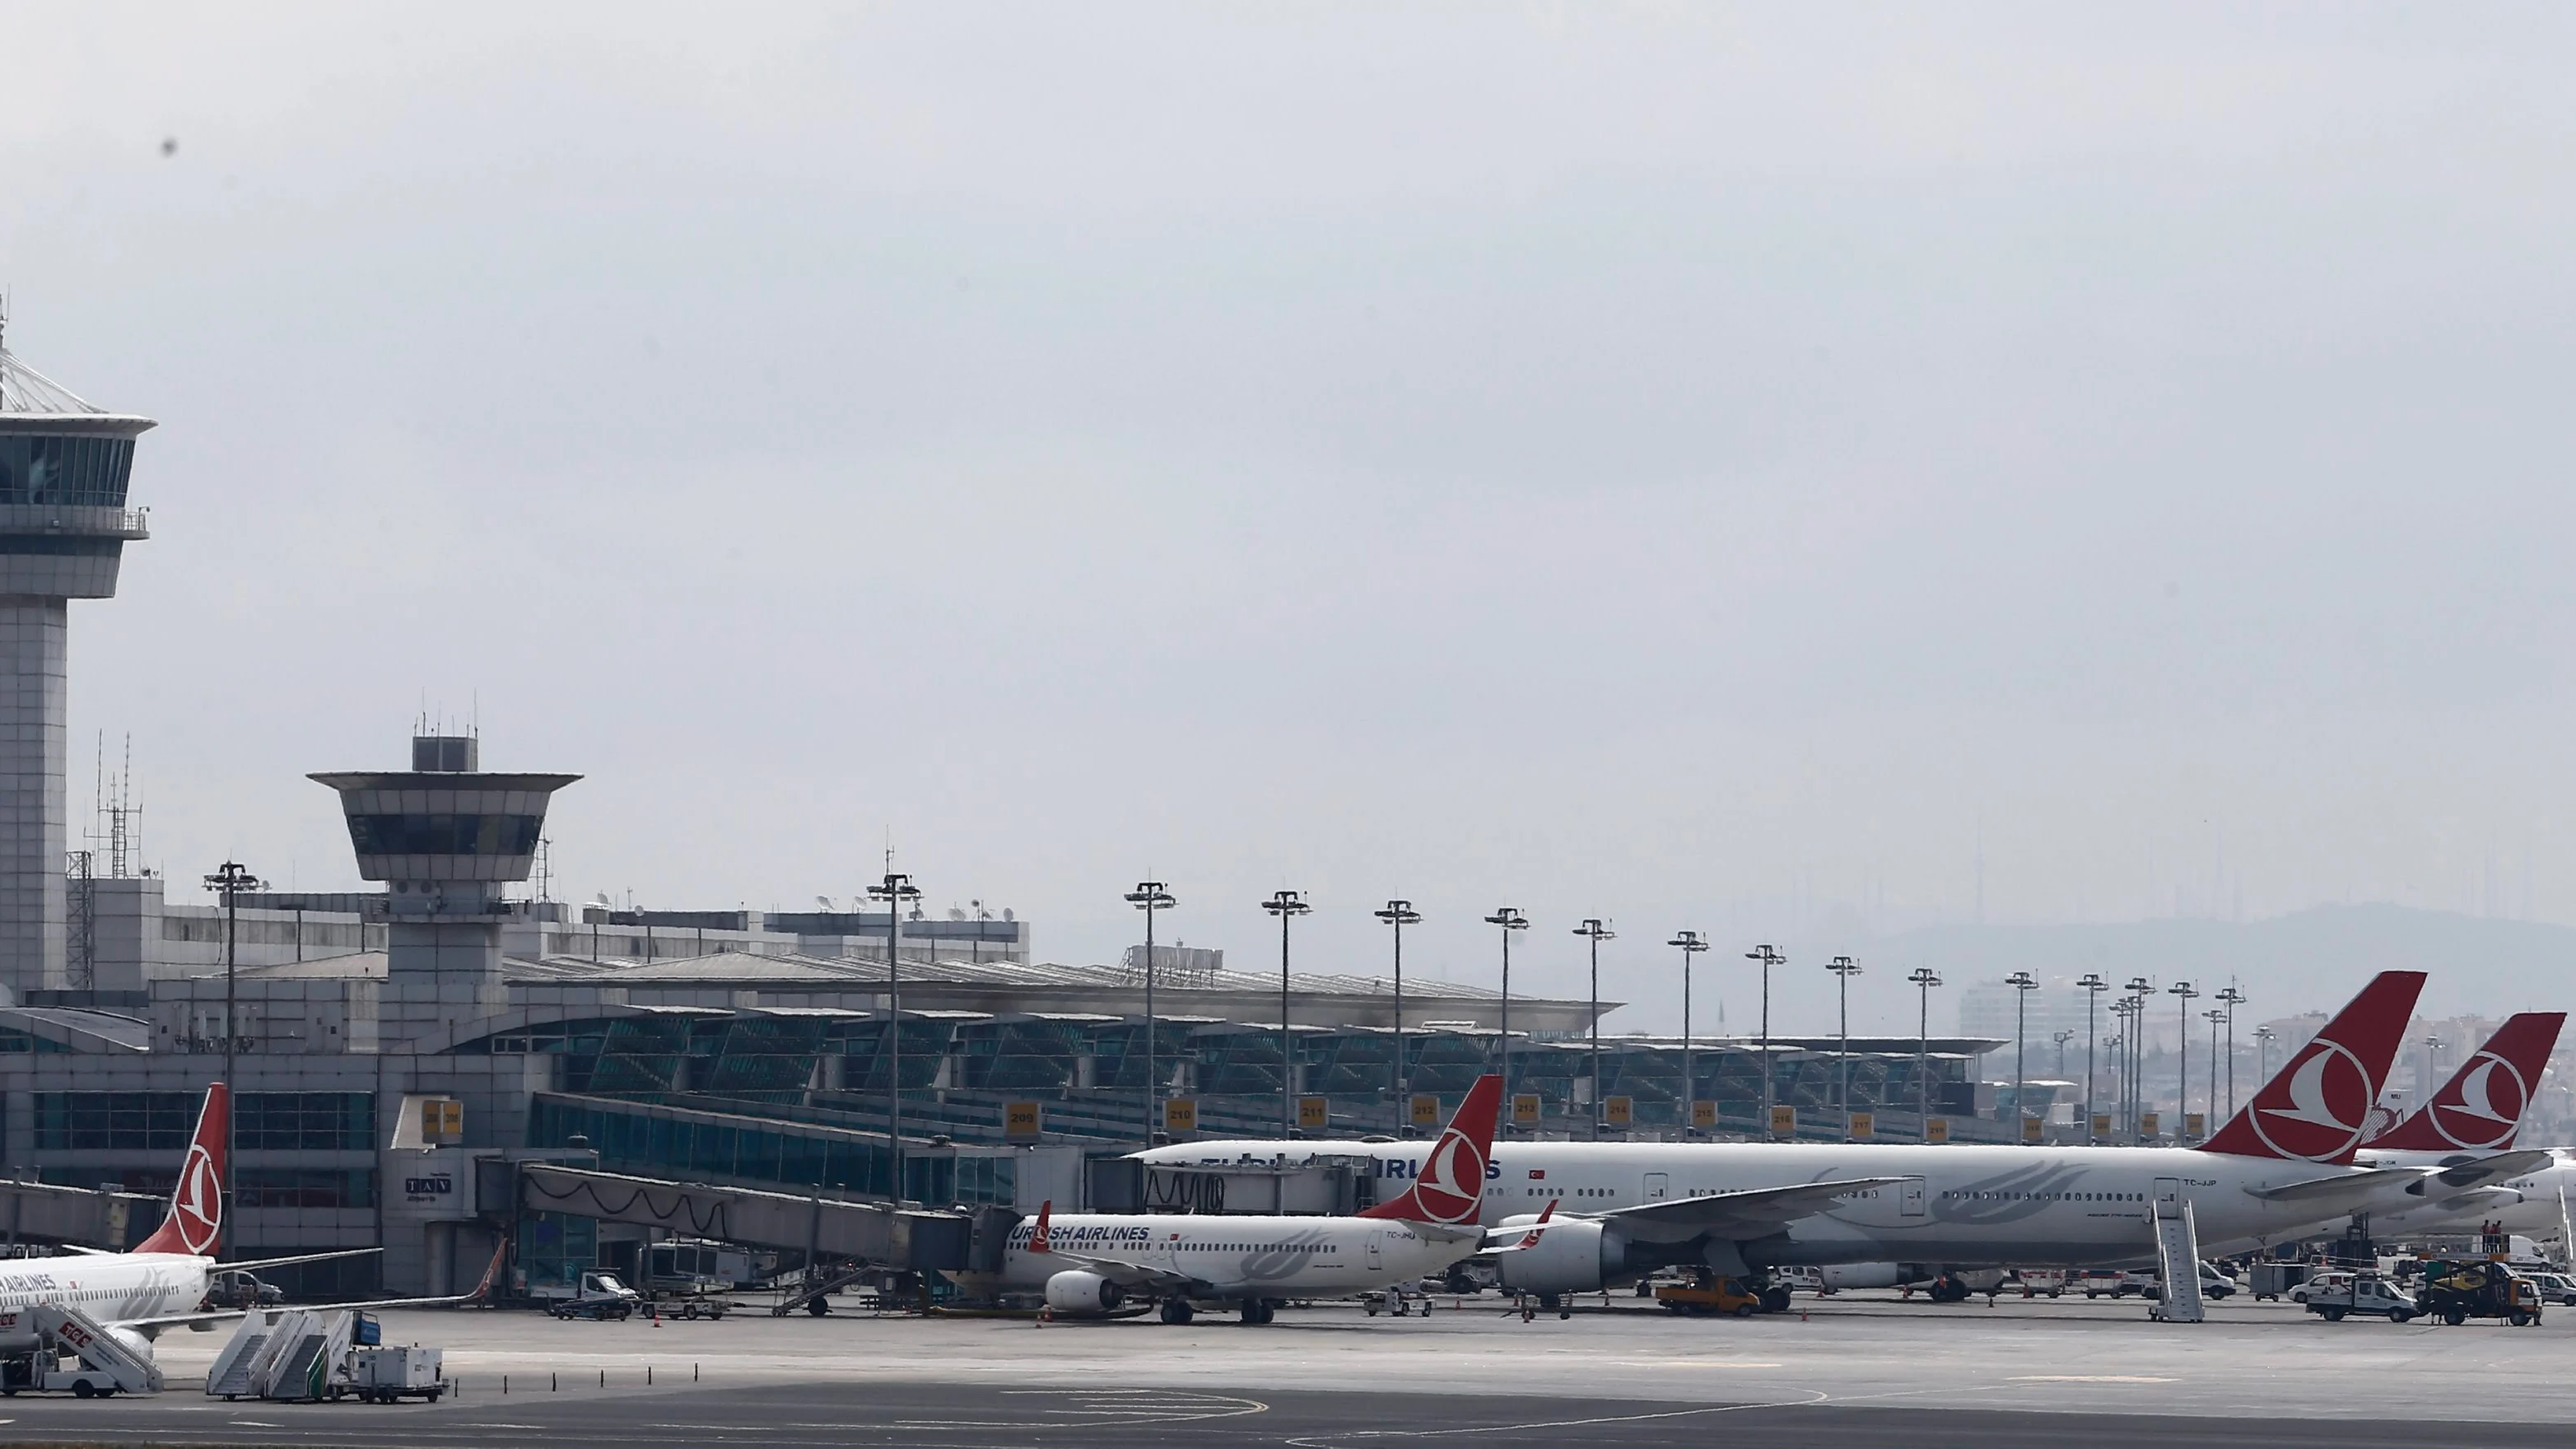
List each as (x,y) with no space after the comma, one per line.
(2487,1170)
(2342,1187)
(1752,1213)
(247,1264)
(1131,1275)
(154,1327)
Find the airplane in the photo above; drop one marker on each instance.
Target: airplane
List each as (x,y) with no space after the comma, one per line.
(1088,1264)
(2480,1110)
(2277,1170)
(161,1282)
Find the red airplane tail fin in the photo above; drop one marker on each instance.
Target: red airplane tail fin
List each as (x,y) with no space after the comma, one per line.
(2480,1108)
(196,1217)
(1450,1188)
(1038,1235)
(2317,1106)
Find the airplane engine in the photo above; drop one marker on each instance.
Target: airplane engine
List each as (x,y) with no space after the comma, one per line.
(1571,1257)
(135,1343)
(1075,1291)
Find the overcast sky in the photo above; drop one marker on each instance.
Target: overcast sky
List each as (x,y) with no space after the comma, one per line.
(1687,465)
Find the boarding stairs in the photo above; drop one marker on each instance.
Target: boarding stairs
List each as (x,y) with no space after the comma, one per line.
(290,1355)
(248,1360)
(106,1360)
(2177,1257)
(822,1284)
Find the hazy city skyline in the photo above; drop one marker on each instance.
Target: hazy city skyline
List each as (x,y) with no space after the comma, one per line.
(1704,468)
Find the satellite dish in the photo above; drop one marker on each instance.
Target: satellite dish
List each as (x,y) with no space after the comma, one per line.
(600,898)
(826,903)
(1006,914)
(956,913)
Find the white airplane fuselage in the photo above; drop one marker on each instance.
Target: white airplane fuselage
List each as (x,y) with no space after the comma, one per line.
(1959,1204)
(1237,1256)
(2528,1204)
(111,1288)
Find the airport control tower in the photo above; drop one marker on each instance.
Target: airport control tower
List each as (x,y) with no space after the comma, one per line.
(445,838)
(63,530)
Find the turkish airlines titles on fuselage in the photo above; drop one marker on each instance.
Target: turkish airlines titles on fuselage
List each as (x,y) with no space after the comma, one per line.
(108,1288)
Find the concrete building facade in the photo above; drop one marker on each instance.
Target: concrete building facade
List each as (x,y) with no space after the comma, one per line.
(64,466)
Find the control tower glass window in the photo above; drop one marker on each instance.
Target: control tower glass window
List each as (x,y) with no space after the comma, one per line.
(72,472)
(445,834)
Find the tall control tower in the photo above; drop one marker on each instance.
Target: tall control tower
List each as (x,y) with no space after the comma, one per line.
(63,530)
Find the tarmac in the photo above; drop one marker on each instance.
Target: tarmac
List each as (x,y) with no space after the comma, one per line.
(2019,1372)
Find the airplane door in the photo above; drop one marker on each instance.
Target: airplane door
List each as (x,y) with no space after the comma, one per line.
(2168,1192)
(1910,1198)
(1373,1259)
(1658,1184)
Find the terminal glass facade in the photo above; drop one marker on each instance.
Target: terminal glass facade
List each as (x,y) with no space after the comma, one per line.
(783,1156)
(305,1187)
(164,1121)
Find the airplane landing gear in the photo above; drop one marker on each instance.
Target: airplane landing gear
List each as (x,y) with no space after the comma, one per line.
(1256,1311)
(1947,1289)
(1177,1310)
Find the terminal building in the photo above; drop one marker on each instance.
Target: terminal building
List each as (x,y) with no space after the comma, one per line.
(389,1047)
(393,1046)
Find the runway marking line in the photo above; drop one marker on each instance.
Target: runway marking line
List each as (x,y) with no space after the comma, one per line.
(1327,1436)
(2090,1379)
(1722,1363)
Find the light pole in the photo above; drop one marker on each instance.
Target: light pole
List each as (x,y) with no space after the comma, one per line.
(1924,979)
(1595,932)
(2263,1052)
(894,890)
(2122,1083)
(1691,945)
(1285,904)
(2138,987)
(2183,992)
(1400,914)
(2231,998)
(2062,1038)
(2093,986)
(2215,1015)
(1844,969)
(2023,985)
(228,883)
(1150,897)
(1509,920)
(2118,1042)
(1769,958)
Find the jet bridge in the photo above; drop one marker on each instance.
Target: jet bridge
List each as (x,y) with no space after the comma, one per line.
(50,1214)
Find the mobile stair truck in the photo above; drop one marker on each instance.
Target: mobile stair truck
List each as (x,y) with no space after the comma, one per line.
(101,1362)
(2177,1256)
(294,1356)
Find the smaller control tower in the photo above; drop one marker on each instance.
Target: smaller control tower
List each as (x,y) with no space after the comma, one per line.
(445,838)
(63,531)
